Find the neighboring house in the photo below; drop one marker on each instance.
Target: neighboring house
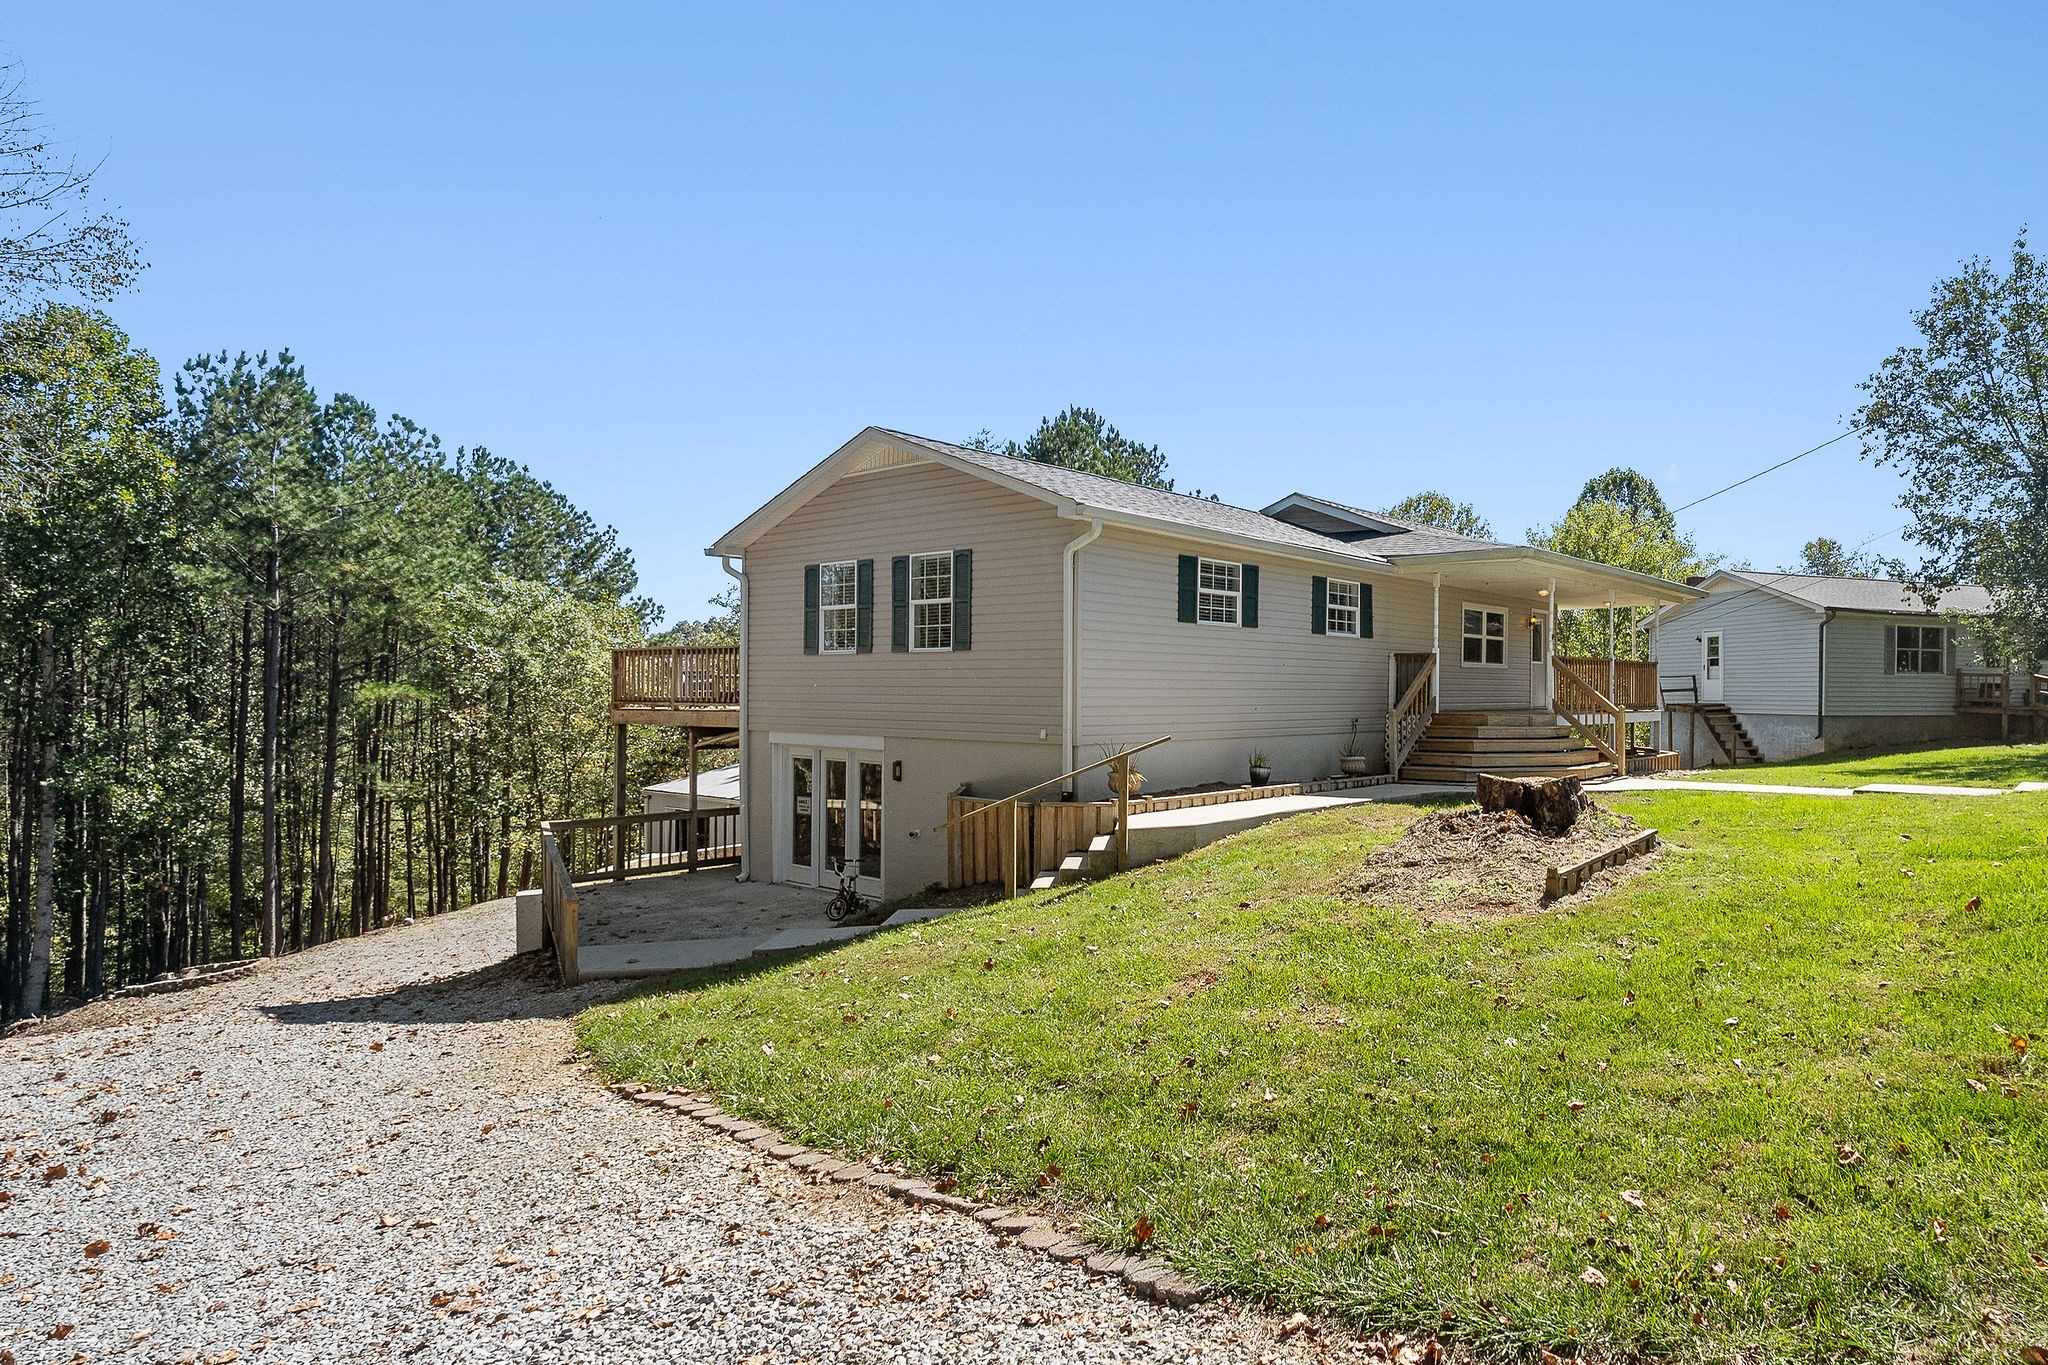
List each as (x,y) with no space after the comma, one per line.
(1804,664)
(920,618)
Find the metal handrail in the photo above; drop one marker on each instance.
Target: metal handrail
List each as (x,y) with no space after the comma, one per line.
(1052,782)
(1120,760)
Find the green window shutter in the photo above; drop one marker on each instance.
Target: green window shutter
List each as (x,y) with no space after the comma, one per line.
(1189,575)
(963,600)
(864,607)
(1891,649)
(1248,614)
(1365,611)
(899,604)
(1319,605)
(1948,636)
(810,609)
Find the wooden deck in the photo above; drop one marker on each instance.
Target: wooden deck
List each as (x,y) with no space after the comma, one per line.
(695,685)
(2009,696)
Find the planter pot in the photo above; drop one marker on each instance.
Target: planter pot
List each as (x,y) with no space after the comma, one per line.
(1354,765)
(1116,784)
(1261,776)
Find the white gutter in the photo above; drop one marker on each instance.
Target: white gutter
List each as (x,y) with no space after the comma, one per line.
(1070,646)
(746,844)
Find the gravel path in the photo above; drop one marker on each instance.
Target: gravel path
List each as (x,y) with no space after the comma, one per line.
(383,1148)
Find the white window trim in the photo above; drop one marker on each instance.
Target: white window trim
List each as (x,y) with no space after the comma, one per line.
(1921,650)
(1235,596)
(1357,607)
(915,601)
(852,567)
(1482,637)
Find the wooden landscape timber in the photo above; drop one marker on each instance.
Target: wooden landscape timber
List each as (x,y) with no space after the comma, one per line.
(1562,881)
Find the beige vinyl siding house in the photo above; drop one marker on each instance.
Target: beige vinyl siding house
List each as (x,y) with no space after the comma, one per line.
(1810,664)
(1085,612)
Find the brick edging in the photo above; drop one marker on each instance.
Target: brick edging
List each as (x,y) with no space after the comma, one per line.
(1144,1276)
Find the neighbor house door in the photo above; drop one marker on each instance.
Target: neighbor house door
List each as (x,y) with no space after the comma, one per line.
(828,810)
(1710,667)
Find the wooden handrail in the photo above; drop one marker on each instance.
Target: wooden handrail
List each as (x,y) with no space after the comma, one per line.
(559,907)
(1635,680)
(1408,719)
(1121,761)
(1051,782)
(1573,694)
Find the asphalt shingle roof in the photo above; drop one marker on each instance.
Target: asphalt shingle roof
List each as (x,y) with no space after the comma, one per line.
(1868,594)
(1114,495)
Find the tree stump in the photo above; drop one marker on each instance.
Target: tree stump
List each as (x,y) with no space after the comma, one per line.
(1551,804)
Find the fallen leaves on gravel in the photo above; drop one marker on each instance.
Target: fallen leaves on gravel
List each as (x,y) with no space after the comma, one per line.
(98,1247)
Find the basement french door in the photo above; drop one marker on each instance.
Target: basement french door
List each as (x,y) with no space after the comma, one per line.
(828,810)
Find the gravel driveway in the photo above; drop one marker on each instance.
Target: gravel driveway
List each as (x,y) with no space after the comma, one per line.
(383,1148)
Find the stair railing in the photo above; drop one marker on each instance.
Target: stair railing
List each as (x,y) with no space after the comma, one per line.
(1409,718)
(1121,762)
(1597,720)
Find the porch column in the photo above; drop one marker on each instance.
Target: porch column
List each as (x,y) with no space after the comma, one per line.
(1436,641)
(619,803)
(1610,646)
(1550,649)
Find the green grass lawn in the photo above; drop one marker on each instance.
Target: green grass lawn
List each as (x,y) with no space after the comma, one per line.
(1779,1095)
(1970,765)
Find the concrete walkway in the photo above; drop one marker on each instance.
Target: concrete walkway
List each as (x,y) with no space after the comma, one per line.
(650,926)
(1668,784)
(1161,834)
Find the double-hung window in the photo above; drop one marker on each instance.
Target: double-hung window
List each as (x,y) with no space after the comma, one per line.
(1340,608)
(931,601)
(1219,593)
(1486,637)
(1923,649)
(838,607)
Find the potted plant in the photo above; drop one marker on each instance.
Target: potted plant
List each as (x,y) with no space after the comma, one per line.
(1116,773)
(1354,758)
(1262,769)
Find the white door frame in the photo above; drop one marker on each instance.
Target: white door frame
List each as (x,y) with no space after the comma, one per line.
(854,751)
(1713,665)
(1539,663)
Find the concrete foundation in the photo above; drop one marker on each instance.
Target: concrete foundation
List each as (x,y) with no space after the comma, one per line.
(526,934)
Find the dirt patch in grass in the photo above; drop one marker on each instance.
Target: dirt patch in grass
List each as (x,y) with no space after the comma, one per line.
(1467,864)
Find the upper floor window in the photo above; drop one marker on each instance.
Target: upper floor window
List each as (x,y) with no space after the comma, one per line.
(1486,637)
(1219,593)
(931,600)
(838,607)
(1340,608)
(1923,649)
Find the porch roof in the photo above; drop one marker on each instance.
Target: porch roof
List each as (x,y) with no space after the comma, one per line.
(1511,570)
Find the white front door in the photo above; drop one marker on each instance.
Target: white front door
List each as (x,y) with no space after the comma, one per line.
(828,812)
(1539,668)
(1710,667)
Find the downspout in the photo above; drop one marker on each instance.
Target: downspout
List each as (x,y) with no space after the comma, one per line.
(1820,705)
(746,745)
(1070,644)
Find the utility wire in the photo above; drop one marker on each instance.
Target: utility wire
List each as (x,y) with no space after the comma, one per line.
(1761,472)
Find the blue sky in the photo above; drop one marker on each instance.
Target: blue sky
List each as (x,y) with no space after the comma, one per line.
(670,256)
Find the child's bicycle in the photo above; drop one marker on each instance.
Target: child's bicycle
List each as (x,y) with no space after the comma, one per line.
(849,900)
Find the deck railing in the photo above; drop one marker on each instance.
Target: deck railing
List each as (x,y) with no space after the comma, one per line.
(1597,719)
(1635,680)
(1413,709)
(676,675)
(1995,689)
(615,847)
(1009,846)
(559,907)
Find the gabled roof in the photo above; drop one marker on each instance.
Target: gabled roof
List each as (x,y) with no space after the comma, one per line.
(1884,595)
(1391,545)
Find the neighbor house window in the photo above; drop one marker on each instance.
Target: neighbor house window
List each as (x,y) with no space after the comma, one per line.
(1219,592)
(1923,649)
(1486,637)
(838,607)
(931,601)
(1340,608)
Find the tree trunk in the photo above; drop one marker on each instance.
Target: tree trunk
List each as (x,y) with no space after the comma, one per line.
(272,904)
(1551,804)
(38,977)
(238,784)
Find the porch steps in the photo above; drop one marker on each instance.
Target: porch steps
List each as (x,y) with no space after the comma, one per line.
(1085,865)
(1726,728)
(1459,745)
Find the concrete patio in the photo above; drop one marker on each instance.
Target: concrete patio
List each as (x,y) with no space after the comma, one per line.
(648,926)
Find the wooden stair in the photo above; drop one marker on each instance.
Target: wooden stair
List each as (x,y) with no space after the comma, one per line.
(1726,728)
(1084,865)
(1459,745)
